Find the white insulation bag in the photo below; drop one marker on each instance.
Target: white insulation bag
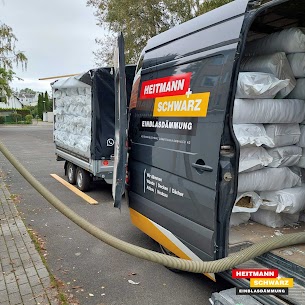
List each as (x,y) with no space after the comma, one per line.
(239,218)
(253,158)
(299,90)
(273,219)
(301,162)
(267,179)
(284,156)
(297,64)
(247,202)
(276,64)
(73,120)
(258,85)
(291,200)
(252,134)
(268,111)
(290,40)
(301,142)
(283,134)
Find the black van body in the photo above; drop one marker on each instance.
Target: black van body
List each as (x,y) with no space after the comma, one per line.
(183,160)
(208,52)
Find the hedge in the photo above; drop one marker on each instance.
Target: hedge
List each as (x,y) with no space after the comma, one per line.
(23,112)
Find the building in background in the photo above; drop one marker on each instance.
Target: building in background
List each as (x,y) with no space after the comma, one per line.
(11,103)
(28,99)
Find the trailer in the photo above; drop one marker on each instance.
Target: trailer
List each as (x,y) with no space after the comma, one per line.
(84,124)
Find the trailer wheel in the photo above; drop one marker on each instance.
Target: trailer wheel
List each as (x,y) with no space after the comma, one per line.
(71,173)
(82,179)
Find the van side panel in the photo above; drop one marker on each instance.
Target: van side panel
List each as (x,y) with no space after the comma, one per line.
(174,159)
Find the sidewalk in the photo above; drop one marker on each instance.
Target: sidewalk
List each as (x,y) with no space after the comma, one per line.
(24,280)
(34,124)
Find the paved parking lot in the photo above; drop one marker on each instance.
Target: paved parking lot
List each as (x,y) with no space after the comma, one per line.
(91,271)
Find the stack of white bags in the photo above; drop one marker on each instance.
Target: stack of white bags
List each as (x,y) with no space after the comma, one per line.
(269,111)
(73,120)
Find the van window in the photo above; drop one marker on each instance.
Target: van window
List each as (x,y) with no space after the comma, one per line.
(140,62)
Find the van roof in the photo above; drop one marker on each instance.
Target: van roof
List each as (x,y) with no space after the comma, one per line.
(206,20)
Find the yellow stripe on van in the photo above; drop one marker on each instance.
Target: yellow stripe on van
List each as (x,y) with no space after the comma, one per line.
(192,105)
(147,226)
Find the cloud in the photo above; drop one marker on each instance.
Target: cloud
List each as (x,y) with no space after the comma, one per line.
(57,36)
(34,84)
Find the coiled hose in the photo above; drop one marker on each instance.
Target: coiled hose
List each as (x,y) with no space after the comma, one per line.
(168,261)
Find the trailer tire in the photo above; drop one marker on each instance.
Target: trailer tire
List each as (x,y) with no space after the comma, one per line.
(82,179)
(71,173)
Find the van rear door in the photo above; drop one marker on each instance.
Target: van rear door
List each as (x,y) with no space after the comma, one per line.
(180,177)
(120,149)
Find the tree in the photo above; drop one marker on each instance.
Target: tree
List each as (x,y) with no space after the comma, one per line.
(40,107)
(141,20)
(138,21)
(48,103)
(6,76)
(9,57)
(27,91)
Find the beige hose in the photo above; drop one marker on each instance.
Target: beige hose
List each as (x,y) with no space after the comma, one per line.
(172,262)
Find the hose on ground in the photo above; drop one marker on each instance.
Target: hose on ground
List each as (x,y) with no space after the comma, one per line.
(168,261)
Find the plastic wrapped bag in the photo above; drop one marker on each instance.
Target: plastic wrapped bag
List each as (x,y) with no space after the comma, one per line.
(268,111)
(276,64)
(252,134)
(289,201)
(284,156)
(57,94)
(299,90)
(301,141)
(273,219)
(267,179)
(301,162)
(258,85)
(59,100)
(290,40)
(297,64)
(253,158)
(83,143)
(71,91)
(247,202)
(239,218)
(283,134)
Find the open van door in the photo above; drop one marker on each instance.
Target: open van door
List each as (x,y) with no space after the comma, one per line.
(120,149)
(183,158)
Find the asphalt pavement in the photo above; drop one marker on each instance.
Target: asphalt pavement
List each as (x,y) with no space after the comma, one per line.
(91,272)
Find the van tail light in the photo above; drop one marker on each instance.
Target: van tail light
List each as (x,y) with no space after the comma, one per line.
(105,162)
(127,176)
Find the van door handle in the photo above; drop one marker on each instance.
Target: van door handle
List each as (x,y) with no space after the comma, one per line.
(202,167)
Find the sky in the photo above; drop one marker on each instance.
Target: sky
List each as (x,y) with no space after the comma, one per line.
(57,36)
